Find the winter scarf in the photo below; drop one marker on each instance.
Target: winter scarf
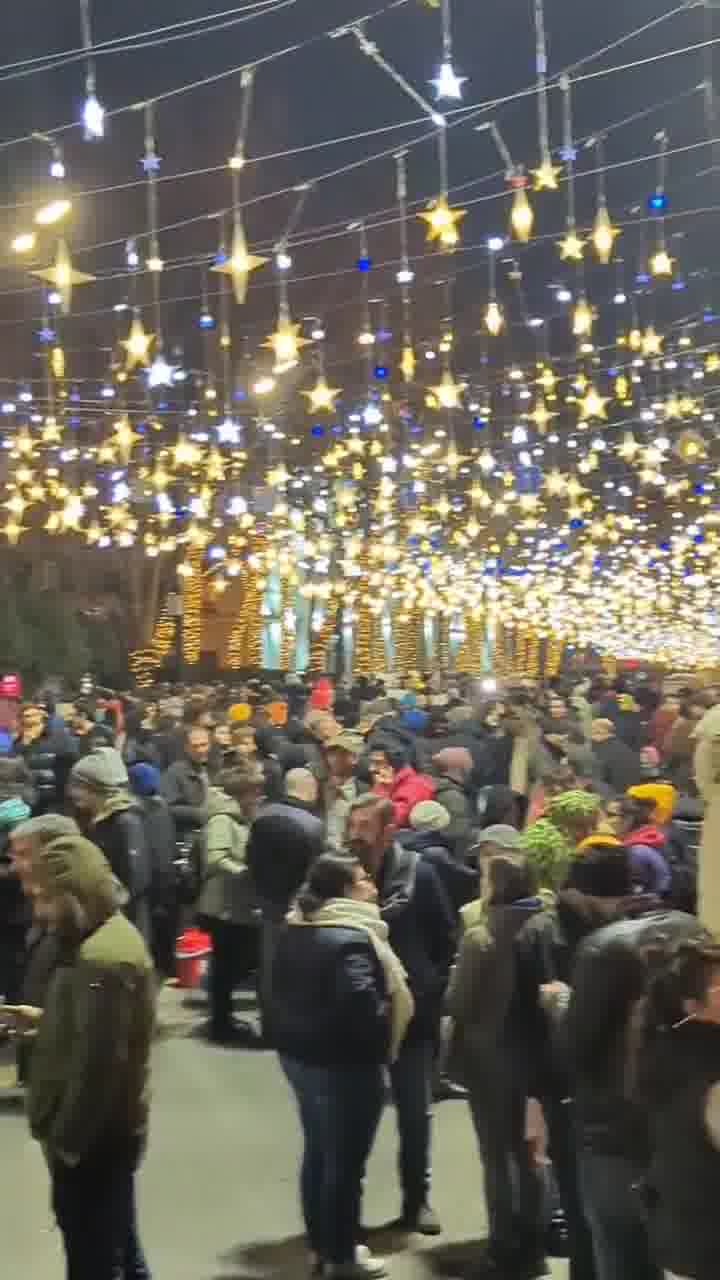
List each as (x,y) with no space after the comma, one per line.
(345,913)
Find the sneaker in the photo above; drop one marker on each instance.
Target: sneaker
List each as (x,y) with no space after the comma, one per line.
(365,1267)
(424,1221)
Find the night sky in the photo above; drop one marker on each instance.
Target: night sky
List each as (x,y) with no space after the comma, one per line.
(326,90)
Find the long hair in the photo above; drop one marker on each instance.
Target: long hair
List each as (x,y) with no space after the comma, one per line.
(329,877)
(676,977)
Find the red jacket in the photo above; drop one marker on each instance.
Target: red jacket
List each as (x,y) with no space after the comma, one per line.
(407,789)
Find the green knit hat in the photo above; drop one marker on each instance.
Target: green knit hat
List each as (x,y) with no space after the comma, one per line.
(548,850)
(572,811)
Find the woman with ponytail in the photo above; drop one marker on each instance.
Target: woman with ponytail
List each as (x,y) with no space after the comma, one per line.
(678,1083)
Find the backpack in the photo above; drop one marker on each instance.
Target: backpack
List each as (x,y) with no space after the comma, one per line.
(190,866)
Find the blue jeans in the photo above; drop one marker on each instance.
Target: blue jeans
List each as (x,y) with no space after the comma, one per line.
(612,1207)
(339,1110)
(411,1080)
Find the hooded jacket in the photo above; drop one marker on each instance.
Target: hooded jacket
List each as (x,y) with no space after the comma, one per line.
(89,1068)
(228,892)
(285,838)
(407,789)
(651,871)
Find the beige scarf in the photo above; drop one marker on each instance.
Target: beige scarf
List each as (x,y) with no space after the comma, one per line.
(345,913)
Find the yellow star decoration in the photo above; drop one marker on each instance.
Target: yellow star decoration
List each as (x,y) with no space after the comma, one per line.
(541,416)
(593,405)
(286,343)
(51,433)
(629,447)
(712,363)
(661,264)
(63,276)
(442,222)
(57,363)
(583,319)
(651,342)
(622,387)
(555,482)
(408,363)
(547,380)
(571,248)
(545,178)
(448,392)
(240,263)
(137,345)
(124,437)
(321,397)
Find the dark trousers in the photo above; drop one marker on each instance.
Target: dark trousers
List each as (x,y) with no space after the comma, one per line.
(411,1081)
(273,923)
(613,1209)
(94,1204)
(513,1187)
(560,1121)
(12,961)
(339,1112)
(234,958)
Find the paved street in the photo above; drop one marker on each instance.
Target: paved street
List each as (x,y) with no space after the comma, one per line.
(218,1190)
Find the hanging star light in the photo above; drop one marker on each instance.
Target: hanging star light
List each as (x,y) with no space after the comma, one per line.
(447,83)
(661,264)
(448,391)
(547,379)
(522,218)
(442,222)
(604,233)
(160,373)
(651,342)
(285,342)
(494,318)
(541,416)
(545,177)
(137,344)
(124,437)
(593,405)
(555,483)
(583,318)
(629,447)
(408,364)
(712,363)
(571,248)
(240,263)
(321,397)
(63,276)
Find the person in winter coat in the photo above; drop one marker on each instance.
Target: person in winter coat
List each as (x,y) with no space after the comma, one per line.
(615,766)
(414,904)
(227,906)
(707,777)
(427,835)
(452,769)
(597,887)
(87,1097)
(630,820)
(394,780)
(49,754)
(678,1086)
(15,913)
(489,1061)
(99,788)
(185,784)
(609,983)
(160,838)
(340,1009)
(341,787)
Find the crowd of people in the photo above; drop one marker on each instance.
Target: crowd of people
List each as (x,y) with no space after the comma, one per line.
(442,889)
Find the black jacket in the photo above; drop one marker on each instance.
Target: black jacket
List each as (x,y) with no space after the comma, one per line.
(684,1172)
(284,839)
(416,908)
(459,881)
(329,999)
(98,735)
(185,787)
(615,765)
(160,838)
(455,798)
(610,977)
(49,759)
(121,836)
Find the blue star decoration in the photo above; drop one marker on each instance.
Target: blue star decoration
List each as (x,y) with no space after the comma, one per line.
(47,334)
(150,162)
(568,154)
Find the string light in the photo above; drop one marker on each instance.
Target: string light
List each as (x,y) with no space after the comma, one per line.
(522,218)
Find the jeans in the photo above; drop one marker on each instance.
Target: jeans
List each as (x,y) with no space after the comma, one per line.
(620,1240)
(270,930)
(559,1118)
(234,957)
(94,1204)
(411,1081)
(339,1110)
(513,1187)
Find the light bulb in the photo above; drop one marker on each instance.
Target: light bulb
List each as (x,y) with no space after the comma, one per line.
(283,261)
(604,234)
(24,243)
(93,118)
(57,168)
(405,276)
(494,319)
(522,217)
(52,212)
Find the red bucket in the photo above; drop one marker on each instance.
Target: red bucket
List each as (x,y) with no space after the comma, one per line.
(191,953)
